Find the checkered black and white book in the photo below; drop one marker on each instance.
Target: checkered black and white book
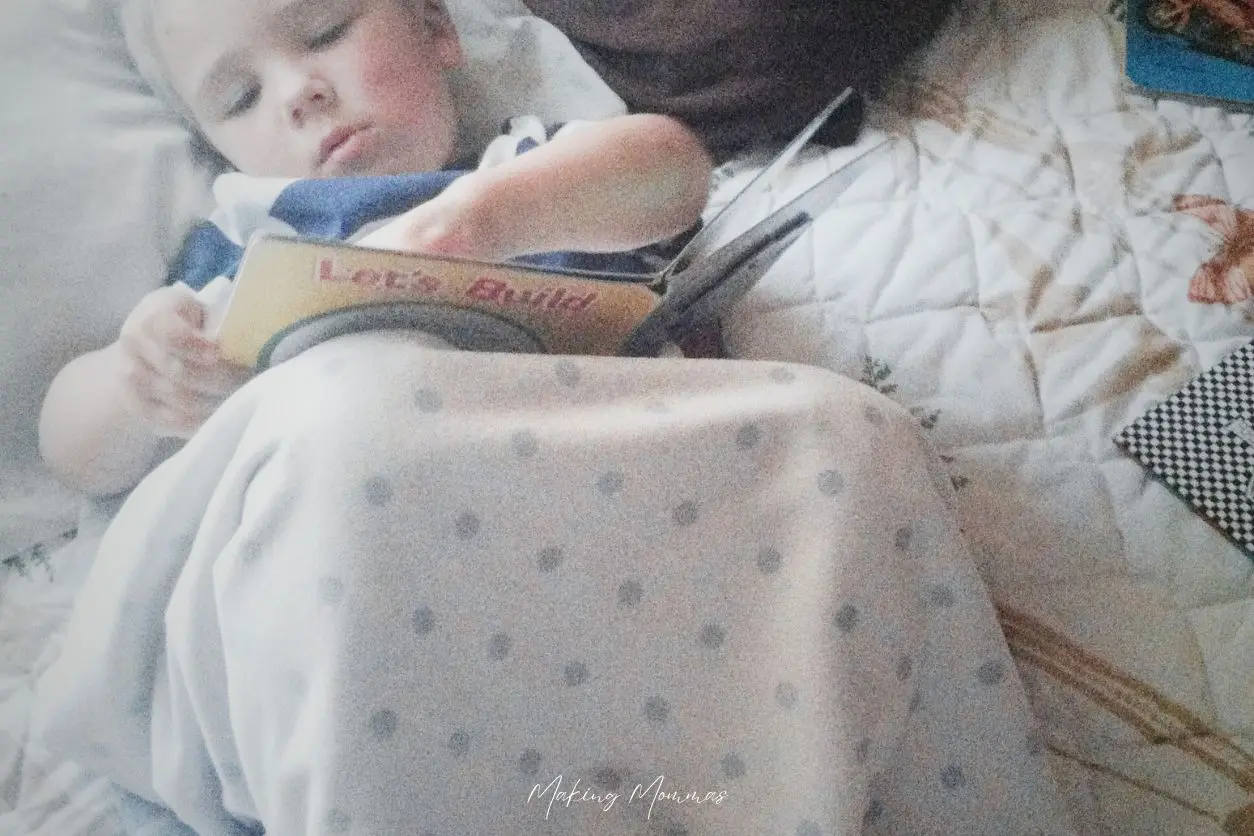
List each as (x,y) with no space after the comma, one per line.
(1200,443)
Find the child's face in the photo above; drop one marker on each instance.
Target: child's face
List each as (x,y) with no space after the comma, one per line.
(315,88)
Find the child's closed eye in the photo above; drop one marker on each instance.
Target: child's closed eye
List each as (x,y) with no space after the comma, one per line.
(324,38)
(241,101)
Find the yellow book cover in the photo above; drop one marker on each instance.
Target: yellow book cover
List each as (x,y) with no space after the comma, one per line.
(291,293)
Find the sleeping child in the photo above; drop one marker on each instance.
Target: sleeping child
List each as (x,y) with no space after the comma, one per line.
(352,93)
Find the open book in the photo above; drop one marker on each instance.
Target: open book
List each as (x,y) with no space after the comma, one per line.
(291,293)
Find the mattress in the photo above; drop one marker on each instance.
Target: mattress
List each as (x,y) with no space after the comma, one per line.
(1016,273)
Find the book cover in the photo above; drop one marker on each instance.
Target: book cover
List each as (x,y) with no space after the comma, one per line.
(291,293)
(1200,443)
(1196,50)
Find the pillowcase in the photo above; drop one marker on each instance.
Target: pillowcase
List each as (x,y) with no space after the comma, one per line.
(99,180)
(743,72)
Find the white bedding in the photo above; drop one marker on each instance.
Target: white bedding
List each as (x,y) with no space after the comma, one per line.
(1016,275)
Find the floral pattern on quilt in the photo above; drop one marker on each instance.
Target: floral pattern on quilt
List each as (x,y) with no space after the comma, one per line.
(1228,276)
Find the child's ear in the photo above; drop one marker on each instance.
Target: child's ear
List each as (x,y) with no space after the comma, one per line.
(443,34)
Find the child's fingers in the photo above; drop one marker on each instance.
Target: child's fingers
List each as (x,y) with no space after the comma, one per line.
(179,336)
(215,380)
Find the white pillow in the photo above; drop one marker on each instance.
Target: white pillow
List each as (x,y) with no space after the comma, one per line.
(99,181)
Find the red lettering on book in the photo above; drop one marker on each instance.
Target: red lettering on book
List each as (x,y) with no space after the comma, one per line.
(486,290)
(327,271)
(500,291)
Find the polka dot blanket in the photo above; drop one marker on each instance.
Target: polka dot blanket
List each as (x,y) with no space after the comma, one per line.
(391,589)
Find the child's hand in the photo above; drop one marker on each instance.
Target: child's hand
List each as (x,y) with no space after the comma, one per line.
(173,376)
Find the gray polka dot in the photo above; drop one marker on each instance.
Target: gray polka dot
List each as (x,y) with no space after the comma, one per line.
(428,400)
(831,483)
(499,645)
(783,375)
(231,772)
(383,724)
(952,777)
(748,436)
(330,590)
(607,778)
(656,709)
(905,667)
(250,551)
(769,561)
(576,673)
(874,812)
(567,373)
(903,537)
(459,742)
(940,595)
(378,491)
(846,618)
(733,766)
(424,621)
(712,636)
(873,415)
(337,821)
(630,593)
(529,762)
(786,695)
(610,483)
(549,559)
(863,750)
(916,702)
(685,513)
(524,444)
(991,672)
(466,525)
(808,828)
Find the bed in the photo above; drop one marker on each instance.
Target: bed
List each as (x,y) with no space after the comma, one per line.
(1014,274)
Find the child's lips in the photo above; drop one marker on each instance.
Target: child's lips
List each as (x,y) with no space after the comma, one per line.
(343,146)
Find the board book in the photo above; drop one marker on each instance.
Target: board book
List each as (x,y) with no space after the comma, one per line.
(291,293)
(1199,51)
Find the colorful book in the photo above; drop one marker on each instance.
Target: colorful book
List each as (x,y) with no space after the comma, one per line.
(1200,51)
(289,293)
(1200,443)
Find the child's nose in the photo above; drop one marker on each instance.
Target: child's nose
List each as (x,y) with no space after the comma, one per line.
(311,95)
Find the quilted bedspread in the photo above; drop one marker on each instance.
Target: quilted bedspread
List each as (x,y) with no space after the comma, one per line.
(1045,257)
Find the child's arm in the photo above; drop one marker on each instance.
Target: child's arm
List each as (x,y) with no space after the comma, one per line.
(111,415)
(614,185)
